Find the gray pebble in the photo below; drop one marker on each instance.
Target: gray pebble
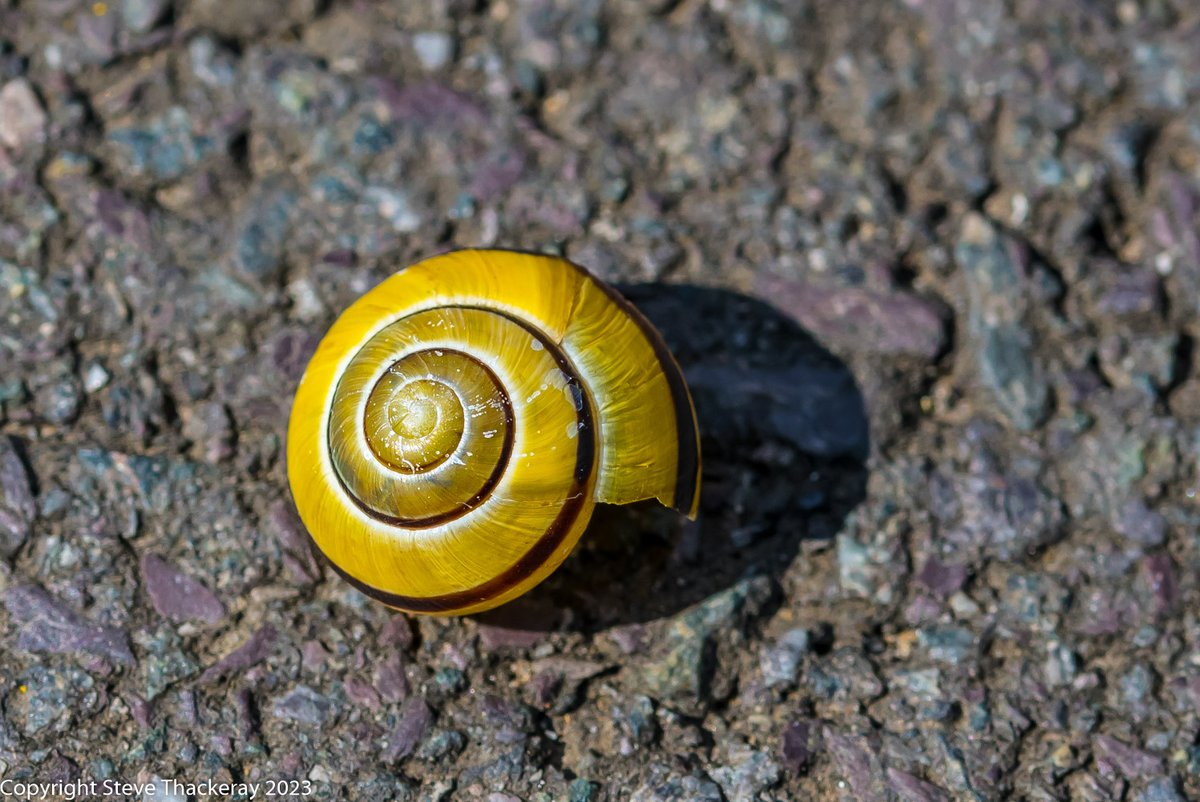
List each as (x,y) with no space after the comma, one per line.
(22,120)
(17,505)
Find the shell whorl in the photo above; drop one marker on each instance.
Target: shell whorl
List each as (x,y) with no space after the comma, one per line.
(458,423)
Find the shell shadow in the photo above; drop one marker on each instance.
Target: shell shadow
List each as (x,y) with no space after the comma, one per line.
(784,438)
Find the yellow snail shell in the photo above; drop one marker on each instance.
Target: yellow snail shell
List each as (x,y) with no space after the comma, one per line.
(458,423)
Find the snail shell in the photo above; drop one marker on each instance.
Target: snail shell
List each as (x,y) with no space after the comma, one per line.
(458,423)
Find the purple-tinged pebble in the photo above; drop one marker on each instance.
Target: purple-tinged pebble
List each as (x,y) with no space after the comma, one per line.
(313,655)
(545,687)
(630,638)
(857,765)
(923,609)
(389,679)
(59,768)
(1186,693)
(797,747)
(361,693)
(294,542)
(304,706)
(178,596)
(429,104)
(48,626)
(141,709)
(862,319)
(397,633)
(222,745)
(517,625)
(256,649)
(942,578)
(912,789)
(1132,293)
(1158,580)
(1128,761)
(415,720)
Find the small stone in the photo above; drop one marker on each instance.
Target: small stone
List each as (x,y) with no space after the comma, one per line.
(42,701)
(1137,683)
(164,662)
(557,682)
(1161,790)
(1131,293)
(682,671)
(865,569)
(50,627)
(1063,757)
(210,428)
(95,377)
(178,596)
(98,35)
(941,578)
(394,206)
(912,789)
(22,120)
(629,638)
(450,680)
(415,720)
(1129,761)
(798,746)
(389,679)
(869,321)
(948,644)
(433,49)
(294,542)
(677,788)
(1142,525)
(749,774)
(256,649)
(441,744)
(59,401)
(141,709)
(144,15)
(361,693)
(996,270)
(1062,664)
(582,790)
(857,765)
(305,706)
(519,624)
(397,633)
(1159,583)
(780,663)
(263,234)
(165,147)
(17,505)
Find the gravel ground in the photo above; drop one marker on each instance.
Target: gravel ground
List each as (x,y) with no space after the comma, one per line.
(932,268)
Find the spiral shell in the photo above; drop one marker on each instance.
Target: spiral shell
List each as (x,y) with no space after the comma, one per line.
(458,423)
